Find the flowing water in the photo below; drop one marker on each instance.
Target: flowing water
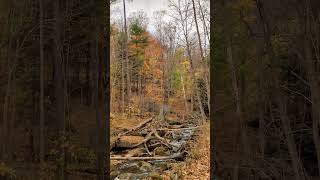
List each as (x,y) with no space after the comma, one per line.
(135,170)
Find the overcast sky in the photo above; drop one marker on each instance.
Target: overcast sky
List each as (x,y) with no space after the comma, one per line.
(148,6)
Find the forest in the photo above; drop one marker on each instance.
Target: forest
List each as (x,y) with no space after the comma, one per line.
(134,89)
(160,90)
(82,98)
(54,70)
(265,70)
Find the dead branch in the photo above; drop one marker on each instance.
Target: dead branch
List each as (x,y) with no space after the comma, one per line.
(174,156)
(148,137)
(114,140)
(177,129)
(145,146)
(137,127)
(166,141)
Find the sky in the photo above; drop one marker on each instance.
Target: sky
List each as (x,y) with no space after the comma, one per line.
(148,6)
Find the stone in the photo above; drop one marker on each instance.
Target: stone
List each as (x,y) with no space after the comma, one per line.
(173,122)
(155,176)
(114,174)
(164,166)
(145,166)
(125,176)
(161,151)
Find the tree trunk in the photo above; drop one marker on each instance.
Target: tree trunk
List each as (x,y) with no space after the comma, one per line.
(41,156)
(197,27)
(12,122)
(204,22)
(314,89)
(122,86)
(313,76)
(5,116)
(207,80)
(126,54)
(184,94)
(59,82)
(241,131)
(200,104)
(11,71)
(99,134)
(295,160)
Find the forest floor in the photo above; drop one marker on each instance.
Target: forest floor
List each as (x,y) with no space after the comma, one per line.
(196,165)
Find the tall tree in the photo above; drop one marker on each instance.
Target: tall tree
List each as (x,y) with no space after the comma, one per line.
(41,7)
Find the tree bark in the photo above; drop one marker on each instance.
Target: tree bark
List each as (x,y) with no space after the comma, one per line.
(126,54)
(313,76)
(59,82)
(41,82)
(241,131)
(295,160)
(198,32)
(184,94)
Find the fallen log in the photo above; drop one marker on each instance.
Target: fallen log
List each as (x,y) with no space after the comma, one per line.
(148,137)
(114,140)
(163,139)
(137,127)
(177,129)
(174,156)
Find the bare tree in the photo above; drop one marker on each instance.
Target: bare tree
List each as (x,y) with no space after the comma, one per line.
(126,53)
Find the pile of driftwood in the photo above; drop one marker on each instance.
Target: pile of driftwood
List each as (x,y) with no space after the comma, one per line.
(146,147)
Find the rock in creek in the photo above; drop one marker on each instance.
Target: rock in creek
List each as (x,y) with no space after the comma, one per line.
(161,151)
(155,176)
(125,176)
(145,166)
(129,141)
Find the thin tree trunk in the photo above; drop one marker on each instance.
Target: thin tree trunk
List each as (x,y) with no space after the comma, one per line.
(99,146)
(200,104)
(126,53)
(41,83)
(5,116)
(314,89)
(184,94)
(296,164)
(208,90)
(122,86)
(59,83)
(197,27)
(312,72)
(204,22)
(241,131)
(11,70)
(12,122)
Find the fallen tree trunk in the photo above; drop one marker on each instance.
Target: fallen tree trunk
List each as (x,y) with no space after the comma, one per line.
(114,140)
(177,129)
(137,127)
(174,156)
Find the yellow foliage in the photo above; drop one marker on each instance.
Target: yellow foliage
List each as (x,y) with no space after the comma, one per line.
(185,62)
